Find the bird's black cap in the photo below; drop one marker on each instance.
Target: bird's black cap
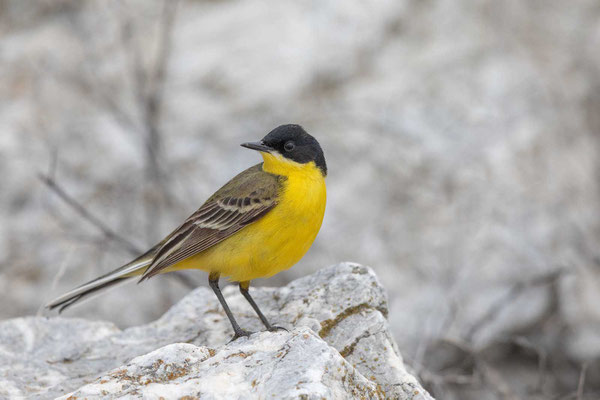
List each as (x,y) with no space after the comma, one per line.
(294,143)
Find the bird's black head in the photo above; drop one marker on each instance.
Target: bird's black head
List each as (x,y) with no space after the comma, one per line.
(293,143)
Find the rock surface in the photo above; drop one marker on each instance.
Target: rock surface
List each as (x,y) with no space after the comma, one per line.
(340,347)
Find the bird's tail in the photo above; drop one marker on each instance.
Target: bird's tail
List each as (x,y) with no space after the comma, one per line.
(119,275)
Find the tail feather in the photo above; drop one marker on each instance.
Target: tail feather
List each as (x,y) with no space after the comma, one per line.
(76,298)
(119,275)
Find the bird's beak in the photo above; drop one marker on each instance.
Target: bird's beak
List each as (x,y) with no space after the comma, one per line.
(259,146)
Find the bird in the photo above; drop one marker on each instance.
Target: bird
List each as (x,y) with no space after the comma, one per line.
(259,223)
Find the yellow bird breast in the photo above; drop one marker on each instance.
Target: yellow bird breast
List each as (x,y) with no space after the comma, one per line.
(278,240)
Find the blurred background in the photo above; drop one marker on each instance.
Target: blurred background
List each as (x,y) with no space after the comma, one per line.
(462,138)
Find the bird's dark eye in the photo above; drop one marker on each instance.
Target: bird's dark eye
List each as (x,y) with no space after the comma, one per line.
(289,146)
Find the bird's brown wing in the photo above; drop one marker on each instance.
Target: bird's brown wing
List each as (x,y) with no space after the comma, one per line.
(242,201)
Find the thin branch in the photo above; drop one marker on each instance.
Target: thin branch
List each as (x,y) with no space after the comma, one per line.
(496,381)
(148,90)
(515,291)
(149,85)
(88,216)
(581,383)
(108,233)
(152,92)
(156,82)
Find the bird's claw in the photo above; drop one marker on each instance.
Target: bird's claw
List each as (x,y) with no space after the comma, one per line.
(240,333)
(276,328)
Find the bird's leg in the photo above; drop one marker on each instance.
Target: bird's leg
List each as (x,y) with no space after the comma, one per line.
(244,289)
(213,282)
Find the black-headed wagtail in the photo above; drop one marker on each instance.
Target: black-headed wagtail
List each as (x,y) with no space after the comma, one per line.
(261,222)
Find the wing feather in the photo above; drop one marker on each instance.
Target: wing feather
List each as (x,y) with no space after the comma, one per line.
(219,218)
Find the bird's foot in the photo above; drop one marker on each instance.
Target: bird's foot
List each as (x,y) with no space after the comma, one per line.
(275,328)
(240,333)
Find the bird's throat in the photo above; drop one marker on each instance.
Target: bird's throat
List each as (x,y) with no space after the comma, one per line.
(276,164)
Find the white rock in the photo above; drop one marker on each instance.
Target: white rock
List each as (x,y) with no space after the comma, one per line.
(281,365)
(340,347)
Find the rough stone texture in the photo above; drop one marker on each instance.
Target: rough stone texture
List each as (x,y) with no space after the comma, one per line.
(340,347)
(281,365)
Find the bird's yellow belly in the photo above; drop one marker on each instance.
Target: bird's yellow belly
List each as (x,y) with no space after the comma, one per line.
(275,242)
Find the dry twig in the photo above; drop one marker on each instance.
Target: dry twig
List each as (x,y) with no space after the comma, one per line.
(106,231)
(581,382)
(88,216)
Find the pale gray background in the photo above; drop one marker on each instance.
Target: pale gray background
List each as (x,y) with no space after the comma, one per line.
(462,139)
